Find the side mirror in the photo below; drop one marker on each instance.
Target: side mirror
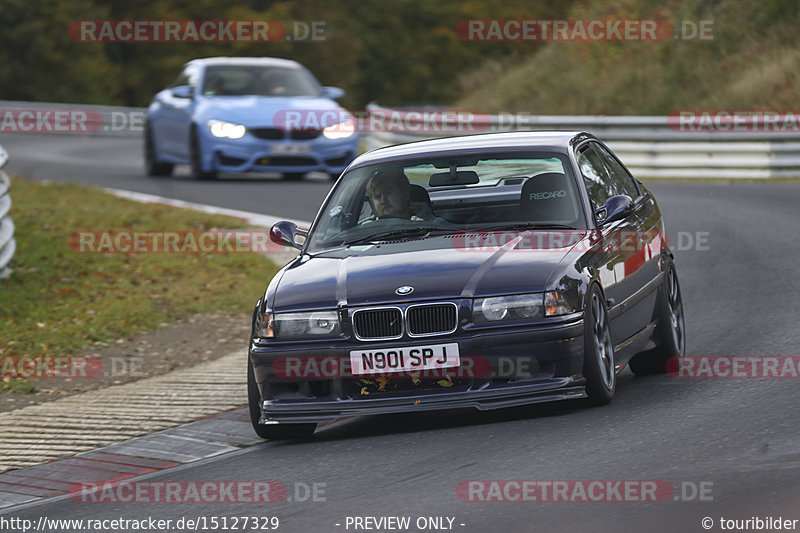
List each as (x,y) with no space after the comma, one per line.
(334,93)
(285,233)
(183,91)
(616,208)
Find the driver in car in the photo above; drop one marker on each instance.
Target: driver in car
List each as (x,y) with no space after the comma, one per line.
(388,192)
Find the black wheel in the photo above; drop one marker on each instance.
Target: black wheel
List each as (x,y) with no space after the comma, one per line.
(598,351)
(293,176)
(273,431)
(195,160)
(670,329)
(153,166)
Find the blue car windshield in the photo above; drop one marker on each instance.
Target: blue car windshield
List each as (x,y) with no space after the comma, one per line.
(258,80)
(491,191)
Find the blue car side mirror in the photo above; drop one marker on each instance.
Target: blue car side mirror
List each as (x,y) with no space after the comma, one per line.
(183,91)
(334,93)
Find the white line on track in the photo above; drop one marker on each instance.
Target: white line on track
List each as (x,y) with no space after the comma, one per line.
(256,219)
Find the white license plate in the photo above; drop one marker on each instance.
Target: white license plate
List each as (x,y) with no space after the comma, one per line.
(404,359)
(289,149)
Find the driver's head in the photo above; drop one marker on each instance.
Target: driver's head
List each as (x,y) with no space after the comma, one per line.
(388,192)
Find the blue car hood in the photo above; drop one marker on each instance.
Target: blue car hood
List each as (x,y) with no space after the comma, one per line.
(434,267)
(260,111)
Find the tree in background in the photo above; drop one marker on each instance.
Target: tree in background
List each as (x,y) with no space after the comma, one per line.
(399,52)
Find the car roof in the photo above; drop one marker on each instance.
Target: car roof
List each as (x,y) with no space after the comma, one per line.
(555,141)
(263,61)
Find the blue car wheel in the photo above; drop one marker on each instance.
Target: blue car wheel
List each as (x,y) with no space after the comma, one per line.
(196,159)
(153,166)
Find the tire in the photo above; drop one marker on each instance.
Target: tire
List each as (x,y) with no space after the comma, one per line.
(195,160)
(273,431)
(670,329)
(153,166)
(598,350)
(293,176)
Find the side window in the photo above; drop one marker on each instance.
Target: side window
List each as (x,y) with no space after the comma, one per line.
(622,180)
(595,177)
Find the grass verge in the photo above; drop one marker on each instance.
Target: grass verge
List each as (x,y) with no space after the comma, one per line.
(58,301)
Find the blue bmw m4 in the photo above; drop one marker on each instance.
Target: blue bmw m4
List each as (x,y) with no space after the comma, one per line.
(229,114)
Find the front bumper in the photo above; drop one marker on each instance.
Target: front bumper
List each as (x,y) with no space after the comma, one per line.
(537,364)
(252,154)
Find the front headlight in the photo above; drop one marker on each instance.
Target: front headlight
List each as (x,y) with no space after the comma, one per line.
(516,307)
(341,130)
(220,128)
(283,325)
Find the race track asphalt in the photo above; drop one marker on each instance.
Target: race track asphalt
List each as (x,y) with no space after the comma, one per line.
(739,439)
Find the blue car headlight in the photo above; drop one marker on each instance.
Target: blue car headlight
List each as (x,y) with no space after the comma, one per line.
(341,130)
(220,128)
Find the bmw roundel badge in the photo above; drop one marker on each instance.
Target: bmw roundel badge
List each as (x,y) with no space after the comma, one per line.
(405,289)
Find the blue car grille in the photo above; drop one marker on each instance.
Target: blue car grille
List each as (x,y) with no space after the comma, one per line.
(304,135)
(268,134)
(275,134)
(420,320)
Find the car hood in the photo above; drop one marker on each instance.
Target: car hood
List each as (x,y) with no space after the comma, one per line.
(262,111)
(434,267)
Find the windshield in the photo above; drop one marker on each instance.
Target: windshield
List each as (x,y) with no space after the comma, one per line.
(430,196)
(255,80)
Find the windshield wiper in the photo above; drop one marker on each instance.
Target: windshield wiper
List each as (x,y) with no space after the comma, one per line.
(523,225)
(394,235)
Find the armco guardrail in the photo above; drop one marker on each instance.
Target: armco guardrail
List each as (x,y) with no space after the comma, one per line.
(32,117)
(651,146)
(7,243)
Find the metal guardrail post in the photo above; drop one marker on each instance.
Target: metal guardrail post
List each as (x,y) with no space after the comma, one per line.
(7,243)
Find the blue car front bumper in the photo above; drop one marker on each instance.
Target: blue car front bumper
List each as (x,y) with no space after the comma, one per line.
(283,155)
